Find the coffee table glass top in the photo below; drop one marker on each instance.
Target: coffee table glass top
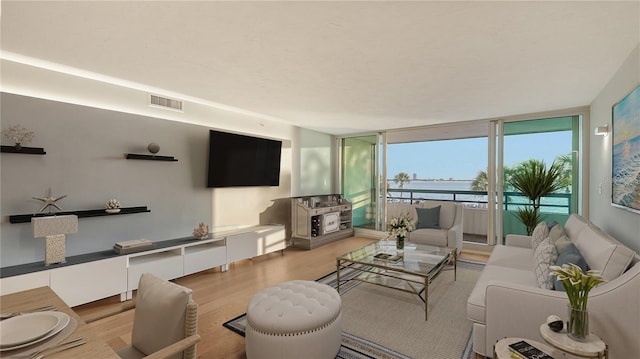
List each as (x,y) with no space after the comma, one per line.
(417,259)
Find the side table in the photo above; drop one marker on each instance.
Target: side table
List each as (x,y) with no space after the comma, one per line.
(593,347)
(501,349)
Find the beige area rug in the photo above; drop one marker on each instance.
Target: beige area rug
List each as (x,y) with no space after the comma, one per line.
(395,319)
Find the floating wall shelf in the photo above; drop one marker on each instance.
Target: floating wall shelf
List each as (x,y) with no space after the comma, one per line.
(26,218)
(25,150)
(133,156)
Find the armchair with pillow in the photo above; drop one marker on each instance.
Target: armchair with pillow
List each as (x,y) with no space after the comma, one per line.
(437,223)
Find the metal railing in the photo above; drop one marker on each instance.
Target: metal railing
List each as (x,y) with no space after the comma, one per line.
(555,202)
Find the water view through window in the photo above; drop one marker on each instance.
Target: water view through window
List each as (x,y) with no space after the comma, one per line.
(455,170)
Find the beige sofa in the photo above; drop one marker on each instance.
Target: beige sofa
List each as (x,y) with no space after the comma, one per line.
(507,300)
(449,221)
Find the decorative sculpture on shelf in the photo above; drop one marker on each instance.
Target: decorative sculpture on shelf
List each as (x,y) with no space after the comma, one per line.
(112,206)
(202,232)
(153,148)
(49,201)
(19,135)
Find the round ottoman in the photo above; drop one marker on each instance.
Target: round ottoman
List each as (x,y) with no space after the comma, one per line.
(296,319)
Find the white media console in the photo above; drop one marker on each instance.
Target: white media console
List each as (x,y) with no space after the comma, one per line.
(89,277)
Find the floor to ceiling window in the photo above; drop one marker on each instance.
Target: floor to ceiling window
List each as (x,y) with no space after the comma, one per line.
(518,145)
(468,163)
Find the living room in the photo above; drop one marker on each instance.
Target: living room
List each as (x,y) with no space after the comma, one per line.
(87,120)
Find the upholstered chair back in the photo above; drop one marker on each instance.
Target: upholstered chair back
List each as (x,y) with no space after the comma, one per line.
(164,315)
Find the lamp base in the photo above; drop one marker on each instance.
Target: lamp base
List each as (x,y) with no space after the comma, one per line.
(55,249)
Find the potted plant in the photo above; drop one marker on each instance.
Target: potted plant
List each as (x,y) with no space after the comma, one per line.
(534,180)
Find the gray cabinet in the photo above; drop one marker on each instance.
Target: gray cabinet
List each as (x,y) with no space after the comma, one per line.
(318,220)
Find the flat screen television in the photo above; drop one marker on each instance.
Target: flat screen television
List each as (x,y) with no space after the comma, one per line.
(239,160)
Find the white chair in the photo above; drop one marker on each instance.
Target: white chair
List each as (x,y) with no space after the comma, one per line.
(165,322)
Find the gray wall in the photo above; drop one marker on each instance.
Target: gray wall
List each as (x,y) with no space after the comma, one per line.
(621,224)
(85,160)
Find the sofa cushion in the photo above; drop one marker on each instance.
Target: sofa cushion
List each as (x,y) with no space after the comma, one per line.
(540,233)
(569,254)
(512,257)
(395,210)
(432,236)
(476,307)
(544,256)
(428,217)
(575,223)
(602,252)
(447,212)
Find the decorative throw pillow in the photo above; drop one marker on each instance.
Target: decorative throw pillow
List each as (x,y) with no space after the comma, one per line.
(562,242)
(540,233)
(569,254)
(544,256)
(428,217)
(556,232)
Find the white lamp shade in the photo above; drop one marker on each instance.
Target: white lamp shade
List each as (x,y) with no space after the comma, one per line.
(54,225)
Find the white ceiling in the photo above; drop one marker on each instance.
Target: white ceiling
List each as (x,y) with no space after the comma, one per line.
(342,67)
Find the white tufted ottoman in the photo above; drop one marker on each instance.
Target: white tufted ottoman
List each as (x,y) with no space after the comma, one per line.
(296,319)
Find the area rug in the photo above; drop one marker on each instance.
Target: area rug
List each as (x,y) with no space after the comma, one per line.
(383,323)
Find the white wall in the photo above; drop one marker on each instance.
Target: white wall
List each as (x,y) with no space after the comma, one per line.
(621,224)
(87,124)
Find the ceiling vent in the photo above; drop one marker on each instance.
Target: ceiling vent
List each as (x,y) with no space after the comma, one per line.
(165,102)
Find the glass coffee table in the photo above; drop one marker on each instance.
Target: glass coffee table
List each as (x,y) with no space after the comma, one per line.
(410,270)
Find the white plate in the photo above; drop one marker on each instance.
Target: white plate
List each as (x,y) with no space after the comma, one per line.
(62,321)
(26,328)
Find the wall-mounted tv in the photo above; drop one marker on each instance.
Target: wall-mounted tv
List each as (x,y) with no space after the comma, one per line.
(239,160)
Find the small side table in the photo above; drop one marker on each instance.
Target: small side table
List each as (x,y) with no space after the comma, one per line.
(501,349)
(593,347)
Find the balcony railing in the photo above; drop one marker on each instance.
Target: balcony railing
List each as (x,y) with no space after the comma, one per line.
(553,203)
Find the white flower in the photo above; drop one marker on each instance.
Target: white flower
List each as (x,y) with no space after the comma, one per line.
(576,283)
(400,226)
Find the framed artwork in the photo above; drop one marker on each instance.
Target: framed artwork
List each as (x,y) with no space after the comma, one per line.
(625,153)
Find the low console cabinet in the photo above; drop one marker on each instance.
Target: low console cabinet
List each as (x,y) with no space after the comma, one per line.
(94,276)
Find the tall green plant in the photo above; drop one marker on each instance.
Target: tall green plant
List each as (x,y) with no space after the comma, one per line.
(534,181)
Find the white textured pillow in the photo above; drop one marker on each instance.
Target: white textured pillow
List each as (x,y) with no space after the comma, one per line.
(540,233)
(159,317)
(544,256)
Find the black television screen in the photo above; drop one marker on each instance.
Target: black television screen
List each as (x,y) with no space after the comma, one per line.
(238,160)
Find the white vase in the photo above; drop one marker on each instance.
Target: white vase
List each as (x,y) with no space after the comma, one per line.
(112,210)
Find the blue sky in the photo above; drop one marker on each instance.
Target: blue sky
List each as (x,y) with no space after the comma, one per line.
(462,159)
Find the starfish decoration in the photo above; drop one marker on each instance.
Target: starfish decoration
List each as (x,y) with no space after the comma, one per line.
(49,201)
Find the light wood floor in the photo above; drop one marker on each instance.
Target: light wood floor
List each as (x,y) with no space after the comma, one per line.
(224,295)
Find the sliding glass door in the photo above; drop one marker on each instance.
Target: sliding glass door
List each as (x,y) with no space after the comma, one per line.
(362,179)
(518,145)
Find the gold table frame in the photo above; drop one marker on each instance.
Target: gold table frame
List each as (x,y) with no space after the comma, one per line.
(419,266)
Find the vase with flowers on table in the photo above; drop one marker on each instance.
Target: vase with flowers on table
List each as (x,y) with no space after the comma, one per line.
(577,285)
(399,228)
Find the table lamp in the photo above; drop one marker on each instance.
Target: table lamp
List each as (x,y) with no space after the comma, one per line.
(54,228)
